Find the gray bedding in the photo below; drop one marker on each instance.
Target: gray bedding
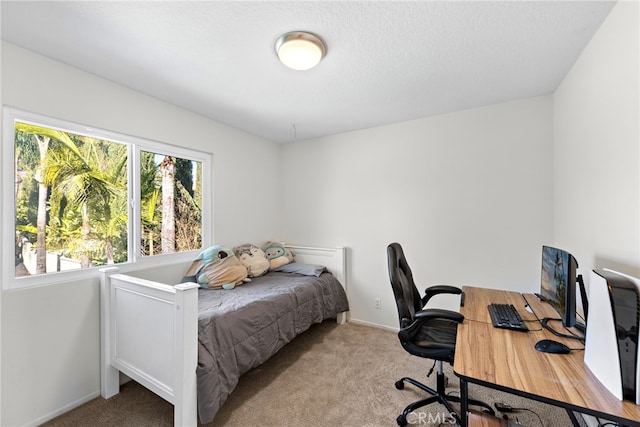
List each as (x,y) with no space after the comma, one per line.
(241,328)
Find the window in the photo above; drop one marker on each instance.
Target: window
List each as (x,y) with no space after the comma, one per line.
(170,201)
(86,198)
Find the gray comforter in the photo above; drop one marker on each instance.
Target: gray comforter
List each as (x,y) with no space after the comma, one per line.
(241,328)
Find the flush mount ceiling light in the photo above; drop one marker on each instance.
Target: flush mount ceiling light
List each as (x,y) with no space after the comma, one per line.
(300,50)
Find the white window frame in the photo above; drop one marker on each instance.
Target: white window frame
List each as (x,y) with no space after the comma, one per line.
(135,145)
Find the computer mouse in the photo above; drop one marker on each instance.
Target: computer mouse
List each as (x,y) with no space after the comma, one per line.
(551,346)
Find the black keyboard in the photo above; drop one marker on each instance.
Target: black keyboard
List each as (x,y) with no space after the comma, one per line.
(506,316)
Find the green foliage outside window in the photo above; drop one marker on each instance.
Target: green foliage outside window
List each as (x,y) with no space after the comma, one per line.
(71,201)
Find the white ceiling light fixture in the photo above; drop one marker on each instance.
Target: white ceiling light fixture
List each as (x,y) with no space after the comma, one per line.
(300,50)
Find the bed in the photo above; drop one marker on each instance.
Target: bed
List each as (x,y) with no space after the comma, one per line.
(190,346)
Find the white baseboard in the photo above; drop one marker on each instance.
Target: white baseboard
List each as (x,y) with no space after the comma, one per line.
(62,410)
(374,325)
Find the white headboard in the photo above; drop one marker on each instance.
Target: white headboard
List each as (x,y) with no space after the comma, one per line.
(335,259)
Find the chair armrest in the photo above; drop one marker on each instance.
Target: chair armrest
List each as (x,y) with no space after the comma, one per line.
(423,316)
(439,289)
(438,313)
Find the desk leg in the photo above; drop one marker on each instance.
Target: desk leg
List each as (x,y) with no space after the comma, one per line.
(464,402)
(573,418)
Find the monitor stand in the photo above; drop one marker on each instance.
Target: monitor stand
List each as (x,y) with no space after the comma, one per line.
(579,326)
(582,327)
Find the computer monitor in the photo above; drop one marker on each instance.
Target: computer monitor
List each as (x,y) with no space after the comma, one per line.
(558,285)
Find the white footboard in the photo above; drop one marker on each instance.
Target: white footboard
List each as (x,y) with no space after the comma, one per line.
(149,332)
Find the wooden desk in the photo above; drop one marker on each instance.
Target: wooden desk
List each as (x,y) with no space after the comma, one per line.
(506,360)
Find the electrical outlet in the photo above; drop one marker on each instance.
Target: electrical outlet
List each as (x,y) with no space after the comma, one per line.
(378,303)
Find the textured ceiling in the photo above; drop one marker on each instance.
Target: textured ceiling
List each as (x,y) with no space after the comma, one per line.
(386,62)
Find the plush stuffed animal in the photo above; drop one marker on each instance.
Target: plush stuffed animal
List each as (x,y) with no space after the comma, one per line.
(277,254)
(217,267)
(253,258)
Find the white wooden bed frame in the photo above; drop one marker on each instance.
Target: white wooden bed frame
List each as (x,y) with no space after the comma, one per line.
(149,331)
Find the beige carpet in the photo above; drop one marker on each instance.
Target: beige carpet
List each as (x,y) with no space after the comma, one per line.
(332,375)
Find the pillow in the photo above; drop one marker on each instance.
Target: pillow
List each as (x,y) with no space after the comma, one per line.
(277,254)
(216,267)
(306,269)
(253,258)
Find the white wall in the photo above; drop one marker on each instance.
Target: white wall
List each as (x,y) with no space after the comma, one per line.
(597,149)
(1,120)
(468,195)
(50,335)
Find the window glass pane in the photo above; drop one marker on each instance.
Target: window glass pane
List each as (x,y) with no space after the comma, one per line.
(170,204)
(71,195)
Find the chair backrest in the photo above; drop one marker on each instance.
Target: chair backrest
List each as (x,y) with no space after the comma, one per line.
(404,289)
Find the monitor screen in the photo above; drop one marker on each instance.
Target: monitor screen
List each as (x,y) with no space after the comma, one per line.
(558,283)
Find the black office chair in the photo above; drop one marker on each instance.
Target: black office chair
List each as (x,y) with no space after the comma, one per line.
(424,332)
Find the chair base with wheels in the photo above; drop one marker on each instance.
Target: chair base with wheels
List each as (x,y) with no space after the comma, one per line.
(439,395)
